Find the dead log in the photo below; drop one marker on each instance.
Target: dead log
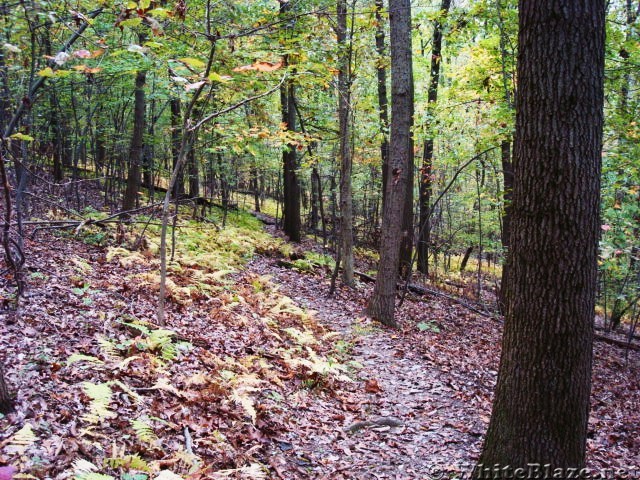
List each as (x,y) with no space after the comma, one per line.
(266,219)
(428,291)
(618,343)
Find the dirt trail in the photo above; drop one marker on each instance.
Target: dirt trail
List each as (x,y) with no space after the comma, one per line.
(436,376)
(410,417)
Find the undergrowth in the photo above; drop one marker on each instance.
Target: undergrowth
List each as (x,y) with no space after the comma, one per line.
(145,395)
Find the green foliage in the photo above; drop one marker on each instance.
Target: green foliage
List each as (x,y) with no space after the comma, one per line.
(313,260)
(428,327)
(144,431)
(128,462)
(99,407)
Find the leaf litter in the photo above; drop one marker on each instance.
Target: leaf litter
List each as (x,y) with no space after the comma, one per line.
(258,374)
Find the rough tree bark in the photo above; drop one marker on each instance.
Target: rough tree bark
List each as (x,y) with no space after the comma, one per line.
(383,107)
(382,303)
(541,402)
(424,236)
(344,121)
(291,184)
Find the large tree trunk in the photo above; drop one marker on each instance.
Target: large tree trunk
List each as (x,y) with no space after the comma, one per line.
(382,303)
(136,148)
(291,184)
(407,234)
(344,120)
(541,402)
(424,236)
(383,109)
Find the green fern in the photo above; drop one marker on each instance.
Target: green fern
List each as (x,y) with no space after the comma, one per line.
(100,395)
(129,462)
(144,431)
(163,340)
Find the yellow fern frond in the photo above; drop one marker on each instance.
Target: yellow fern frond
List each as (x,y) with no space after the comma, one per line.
(80,357)
(100,395)
(21,440)
(108,349)
(255,471)
(134,462)
(126,258)
(244,385)
(144,431)
(300,337)
(286,305)
(163,340)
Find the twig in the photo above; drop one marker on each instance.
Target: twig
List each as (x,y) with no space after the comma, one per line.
(188,441)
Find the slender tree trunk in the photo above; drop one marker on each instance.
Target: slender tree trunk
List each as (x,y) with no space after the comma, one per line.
(56,142)
(255,185)
(424,236)
(382,303)
(4,92)
(176,139)
(136,148)
(383,109)
(101,149)
(541,405)
(465,258)
(507,172)
(314,219)
(344,120)
(507,163)
(315,178)
(194,172)
(291,183)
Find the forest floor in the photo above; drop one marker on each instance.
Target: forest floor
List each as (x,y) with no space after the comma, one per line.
(258,374)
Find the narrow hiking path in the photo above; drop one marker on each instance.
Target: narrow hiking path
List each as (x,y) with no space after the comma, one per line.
(412,412)
(421,401)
